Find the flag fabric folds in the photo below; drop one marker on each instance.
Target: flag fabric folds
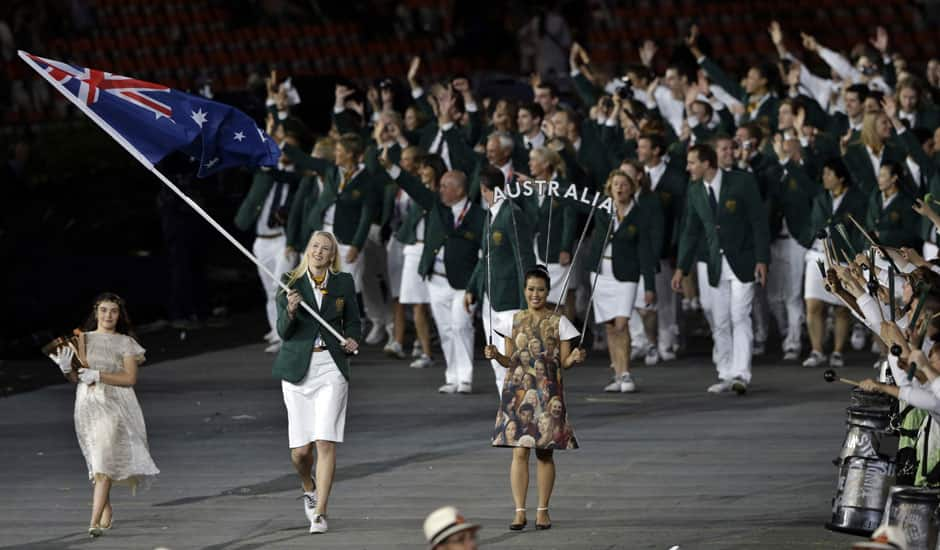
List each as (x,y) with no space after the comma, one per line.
(156,120)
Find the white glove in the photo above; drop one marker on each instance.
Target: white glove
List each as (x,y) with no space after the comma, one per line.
(89,376)
(64,359)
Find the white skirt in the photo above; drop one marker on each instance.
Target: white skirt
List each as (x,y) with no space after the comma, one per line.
(355,269)
(557,274)
(413,289)
(814,287)
(612,298)
(394,260)
(316,407)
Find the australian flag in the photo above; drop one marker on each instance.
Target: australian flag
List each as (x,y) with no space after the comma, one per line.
(155,120)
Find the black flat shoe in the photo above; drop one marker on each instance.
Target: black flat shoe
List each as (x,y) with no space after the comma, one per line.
(518,526)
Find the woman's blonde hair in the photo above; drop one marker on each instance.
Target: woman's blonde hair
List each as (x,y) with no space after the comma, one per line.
(610,180)
(304,264)
(869,133)
(552,158)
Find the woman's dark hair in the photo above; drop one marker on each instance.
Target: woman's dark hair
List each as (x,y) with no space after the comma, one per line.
(838,167)
(894,169)
(539,272)
(123,326)
(434,162)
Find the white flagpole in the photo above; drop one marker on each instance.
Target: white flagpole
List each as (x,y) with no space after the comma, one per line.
(147,164)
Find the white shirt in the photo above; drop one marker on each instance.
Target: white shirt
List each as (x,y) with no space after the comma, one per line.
(439,145)
(655,174)
(671,109)
(534,143)
(886,201)
(261,226)
(875,160)
(318,296)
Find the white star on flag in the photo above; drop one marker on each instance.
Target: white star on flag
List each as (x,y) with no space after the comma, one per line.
(212,162)
(239,136)
(200,117)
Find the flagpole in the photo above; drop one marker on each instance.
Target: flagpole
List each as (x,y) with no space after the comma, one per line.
(149,166)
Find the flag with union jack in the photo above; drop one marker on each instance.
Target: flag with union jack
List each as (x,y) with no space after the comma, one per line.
(154,120)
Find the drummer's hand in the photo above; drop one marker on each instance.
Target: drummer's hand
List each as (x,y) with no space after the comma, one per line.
(64,359)
(468,301)
(490,352)
(577,355)
(564,258)
(350,346)
(293,301)
(869,385)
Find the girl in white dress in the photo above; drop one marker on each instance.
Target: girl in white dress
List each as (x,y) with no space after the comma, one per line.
(108,420)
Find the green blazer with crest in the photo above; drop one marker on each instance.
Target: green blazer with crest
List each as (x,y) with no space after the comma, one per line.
(461,244)
(741,232)
(339,308)
(510,247)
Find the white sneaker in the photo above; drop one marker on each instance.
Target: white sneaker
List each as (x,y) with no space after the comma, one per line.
(447,388)
(421,362)
(759,348)
(271,337)
(791,355)
(626,383)
(858,337)
(318,525)
(835,360)
(667,355)
(394,349)
(613,387)
(464,388)
(652,356)
(416,351)
(815,359)
(721,387)
(375,334)
(273,348)
(310,505)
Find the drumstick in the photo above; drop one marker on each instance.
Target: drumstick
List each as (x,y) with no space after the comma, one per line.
(840,229)
(830,376)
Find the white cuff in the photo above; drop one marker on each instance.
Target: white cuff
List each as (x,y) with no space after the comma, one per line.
(394,171)
(337,110)
(804,141)
(471,107)
(699,60)
(575,72)
(268,102)
(692,121)
(417,92)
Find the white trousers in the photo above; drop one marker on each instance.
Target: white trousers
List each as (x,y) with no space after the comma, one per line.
(395,260)
(455,327)
(733,336)
(785,290)
(271,254)
(930,251)
(667,302)
(502,320)
(374,271)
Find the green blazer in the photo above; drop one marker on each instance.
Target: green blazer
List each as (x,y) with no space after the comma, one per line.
(897,224)
(355,206)
(461,244)
(339,309)
(740,233)
(631,253)
(823,218)
(790,198)
(671,194)
(250,209)
(408,230)
(564,222)
(767,112)
(594,157)
(859,163)
(510,246)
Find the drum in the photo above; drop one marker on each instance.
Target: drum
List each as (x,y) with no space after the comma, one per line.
(861,493)
(866,426)
(870,400)
(913,510)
